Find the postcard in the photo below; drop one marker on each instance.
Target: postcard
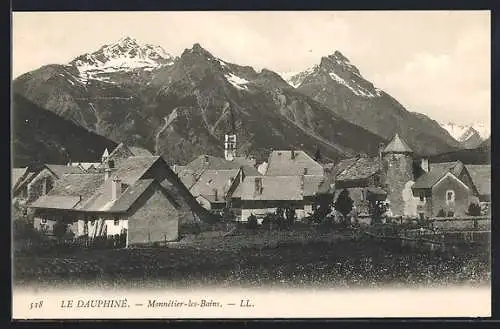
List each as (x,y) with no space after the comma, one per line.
(225,164)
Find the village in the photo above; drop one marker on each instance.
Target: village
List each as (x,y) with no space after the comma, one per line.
(133,200)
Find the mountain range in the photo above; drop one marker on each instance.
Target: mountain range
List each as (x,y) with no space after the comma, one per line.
(182,106)
(469,136)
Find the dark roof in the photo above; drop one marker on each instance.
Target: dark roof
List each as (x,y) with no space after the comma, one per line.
(211,180)
(481,178)
(436,172)
(61,170)
(397,145)
(56,202)
(129,170)
(281,188)
(17,175)
(357,168)
(70,185)
(280,163)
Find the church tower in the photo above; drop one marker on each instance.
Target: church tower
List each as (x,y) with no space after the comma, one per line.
(230,146)
(230,138)
(397,157)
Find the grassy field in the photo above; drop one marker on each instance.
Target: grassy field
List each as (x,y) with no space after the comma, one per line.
(305,258)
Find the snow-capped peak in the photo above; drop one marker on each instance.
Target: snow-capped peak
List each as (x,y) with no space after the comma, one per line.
(462,132)
(124,55)
(339,70)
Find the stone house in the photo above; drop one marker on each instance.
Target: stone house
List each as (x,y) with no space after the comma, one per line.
(141,195)
(481,178)
(40,180)
(261,195)
(212,180)
(446,188)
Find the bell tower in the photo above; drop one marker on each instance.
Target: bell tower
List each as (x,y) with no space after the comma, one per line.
(229,146)
(230,138)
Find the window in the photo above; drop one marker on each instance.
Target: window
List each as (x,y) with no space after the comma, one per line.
(450,214)
(450,196)
(421,215)
(116,222)
(422,196)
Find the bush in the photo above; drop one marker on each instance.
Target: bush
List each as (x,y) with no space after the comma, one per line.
(474,209)
(252,223)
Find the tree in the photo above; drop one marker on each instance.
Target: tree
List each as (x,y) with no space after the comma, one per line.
(474,209)
(252,222)
(344,203)
(323,206)
(377,210)
(290,216)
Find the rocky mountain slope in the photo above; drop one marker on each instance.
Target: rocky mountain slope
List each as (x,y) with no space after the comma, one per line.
(39,135)
(181,107)
(339,85)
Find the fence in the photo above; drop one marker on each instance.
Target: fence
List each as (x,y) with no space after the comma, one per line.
(42,245)
(461,223)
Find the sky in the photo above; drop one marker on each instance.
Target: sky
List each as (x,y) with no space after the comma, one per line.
(433,62)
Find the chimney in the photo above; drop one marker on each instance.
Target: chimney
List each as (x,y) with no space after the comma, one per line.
(305,171)
(292,156)
(258,185)
(115,189)
(424,164)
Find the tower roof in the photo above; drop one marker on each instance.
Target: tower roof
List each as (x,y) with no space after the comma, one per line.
(397,145)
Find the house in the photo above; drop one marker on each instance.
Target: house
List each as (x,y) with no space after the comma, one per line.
(446,189)
(481,178)
(262,194)
(139,195)
(212,180)
(292,163)
(122,152)
(213,187)
(39,180)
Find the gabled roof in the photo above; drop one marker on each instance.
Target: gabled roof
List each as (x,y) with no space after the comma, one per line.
(481,178)
(57,202)
(70,185)
(281,163)
(397,145)
(131,194)
(280,188)
(129,170)
(436,172)
(191,172)
(17,175)
(357,168)
(61,170)
(139,151)
(214,180)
